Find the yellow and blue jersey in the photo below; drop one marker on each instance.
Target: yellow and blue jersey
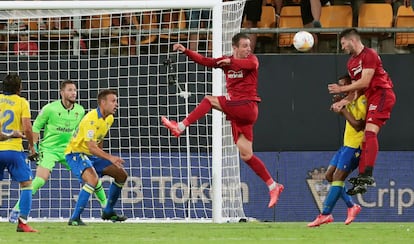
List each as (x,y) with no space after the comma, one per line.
(93,127)
(358,108)
(13,108)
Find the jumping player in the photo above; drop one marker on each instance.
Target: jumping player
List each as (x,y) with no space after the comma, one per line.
(240,104)
(366,70)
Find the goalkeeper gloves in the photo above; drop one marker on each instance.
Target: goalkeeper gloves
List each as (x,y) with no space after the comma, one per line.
(35,155)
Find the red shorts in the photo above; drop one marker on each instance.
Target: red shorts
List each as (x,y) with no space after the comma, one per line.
(380,104)
(242,114)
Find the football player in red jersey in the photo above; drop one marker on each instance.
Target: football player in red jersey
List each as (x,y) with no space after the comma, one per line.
(239,104)
(366,70)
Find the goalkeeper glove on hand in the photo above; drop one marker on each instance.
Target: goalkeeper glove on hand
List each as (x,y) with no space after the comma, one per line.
(34,156)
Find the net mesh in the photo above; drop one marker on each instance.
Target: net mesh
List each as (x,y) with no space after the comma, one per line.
(129,51)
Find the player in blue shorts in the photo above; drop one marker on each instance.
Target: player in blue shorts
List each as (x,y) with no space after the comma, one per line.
(89,162)
(58,119)
(15,116)
(345,160)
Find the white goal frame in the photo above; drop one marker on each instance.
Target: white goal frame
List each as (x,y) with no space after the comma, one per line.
(26,8)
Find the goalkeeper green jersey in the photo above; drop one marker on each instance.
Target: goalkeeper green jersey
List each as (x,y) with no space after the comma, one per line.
(58,124)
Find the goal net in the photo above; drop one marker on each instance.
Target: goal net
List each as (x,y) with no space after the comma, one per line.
(127,46)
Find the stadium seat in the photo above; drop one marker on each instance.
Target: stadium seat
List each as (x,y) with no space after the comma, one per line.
(267,20)
(173,19)
(336,16)
(63,23)
(374,15)
(98,21)
(290,17)
(149,21)
(405,18)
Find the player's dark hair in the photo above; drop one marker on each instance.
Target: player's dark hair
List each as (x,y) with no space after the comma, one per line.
(236,38)
(12,83)
(349,32)
(103,93)
(64,83)
(345,77)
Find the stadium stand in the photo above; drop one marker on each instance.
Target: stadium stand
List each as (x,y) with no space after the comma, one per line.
(405,18)
(375,15)
(290,17)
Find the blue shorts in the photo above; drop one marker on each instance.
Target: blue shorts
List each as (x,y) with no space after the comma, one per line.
(78,162)
(15,162)
(346,158)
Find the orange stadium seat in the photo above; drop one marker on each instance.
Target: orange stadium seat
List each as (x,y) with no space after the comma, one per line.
(405,18)
(375,15)
(173,19)
(149,21)
(267,20)
(336,16)
(290,17)
(98,21)
(63,23)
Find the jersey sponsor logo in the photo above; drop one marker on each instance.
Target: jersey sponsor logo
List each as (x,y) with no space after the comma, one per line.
(372,107)
(63,129)
(234,74)
(357,70)
(90,134)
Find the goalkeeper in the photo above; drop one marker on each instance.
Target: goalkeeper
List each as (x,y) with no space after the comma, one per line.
(58,119)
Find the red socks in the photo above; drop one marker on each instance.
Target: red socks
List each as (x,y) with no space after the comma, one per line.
(369,151)
(260,169)
(202,109)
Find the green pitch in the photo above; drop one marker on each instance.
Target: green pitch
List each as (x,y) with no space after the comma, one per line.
(251,233)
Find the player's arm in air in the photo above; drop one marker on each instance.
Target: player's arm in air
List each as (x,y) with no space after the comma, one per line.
(198,58)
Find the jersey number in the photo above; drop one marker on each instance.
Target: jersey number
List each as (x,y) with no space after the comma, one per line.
(7,118)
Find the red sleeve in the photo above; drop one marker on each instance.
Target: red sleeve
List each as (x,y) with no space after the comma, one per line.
(200,59)
(249,63)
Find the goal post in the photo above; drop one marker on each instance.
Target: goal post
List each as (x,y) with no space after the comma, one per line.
(127,46)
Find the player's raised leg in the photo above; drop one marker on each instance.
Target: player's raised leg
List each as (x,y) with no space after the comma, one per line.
(177,128)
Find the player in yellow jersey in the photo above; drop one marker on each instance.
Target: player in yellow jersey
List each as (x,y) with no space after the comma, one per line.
(15,116)
(345,160)
(89,162)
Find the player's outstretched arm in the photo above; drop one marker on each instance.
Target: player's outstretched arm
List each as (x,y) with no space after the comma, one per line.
(196,57)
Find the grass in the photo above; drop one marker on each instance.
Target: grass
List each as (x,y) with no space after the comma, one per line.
(254,232)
